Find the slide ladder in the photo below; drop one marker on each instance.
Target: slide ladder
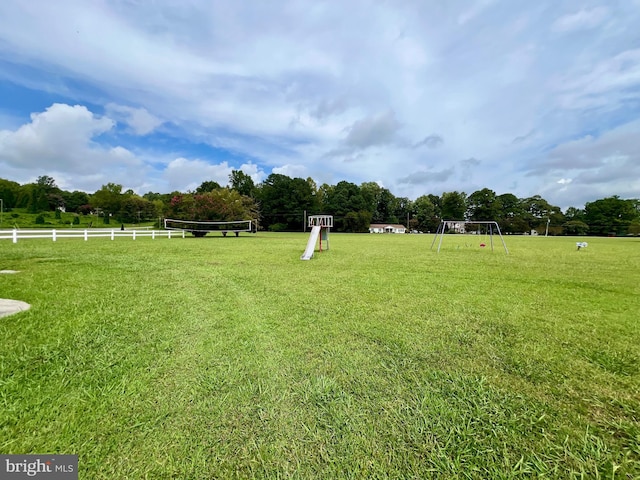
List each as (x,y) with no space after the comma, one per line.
(311,244)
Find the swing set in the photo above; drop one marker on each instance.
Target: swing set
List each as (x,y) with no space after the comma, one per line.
(490,229)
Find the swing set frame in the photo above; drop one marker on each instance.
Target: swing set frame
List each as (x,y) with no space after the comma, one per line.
(490,225)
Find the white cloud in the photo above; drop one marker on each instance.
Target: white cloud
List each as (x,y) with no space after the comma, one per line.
(325,90)
(293,171)
(182,174)
(596,165)
(377,129)
(251,169)
(139,119)
(62,138)
(581,20)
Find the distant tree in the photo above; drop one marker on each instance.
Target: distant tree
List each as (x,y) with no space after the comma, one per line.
(345,197)
(242,183)
(109,198)
(85,209)
(483,205)
(403,209)
(283,200)
(454,205)
(47,182)
(538,212)
(208,186)
(135,209)
(74,200)
(9,192)
(512,215)
(218,205)
(575,227)
(37,201)
(610,215)
(357,222)
(574,213)
(425,212)
(381,203)
(323,193)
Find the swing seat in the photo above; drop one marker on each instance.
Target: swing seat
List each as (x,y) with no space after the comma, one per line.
(483,245)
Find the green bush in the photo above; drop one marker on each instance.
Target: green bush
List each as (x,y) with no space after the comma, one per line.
(278,227)
(40,220)
(76,220)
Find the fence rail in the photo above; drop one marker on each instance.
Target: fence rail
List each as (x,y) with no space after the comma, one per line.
(54,234)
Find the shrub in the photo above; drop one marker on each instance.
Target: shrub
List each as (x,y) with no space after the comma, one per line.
(76,220)
(278,227)
(40,220)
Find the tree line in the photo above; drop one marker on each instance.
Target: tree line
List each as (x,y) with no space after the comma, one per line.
(280,203)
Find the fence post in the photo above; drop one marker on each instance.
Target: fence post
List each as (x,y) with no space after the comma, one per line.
(153,234)
(112,235)
(134,234)
(15,235)
(53,235)
(168,233)
(86,236)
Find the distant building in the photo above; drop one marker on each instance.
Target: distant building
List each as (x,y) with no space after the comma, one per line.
(386,228)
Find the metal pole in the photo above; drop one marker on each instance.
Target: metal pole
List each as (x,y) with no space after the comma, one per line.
(501,238)
(491,235)
(436,236)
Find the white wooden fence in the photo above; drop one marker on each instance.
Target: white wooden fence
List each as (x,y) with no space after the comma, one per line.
(54,234)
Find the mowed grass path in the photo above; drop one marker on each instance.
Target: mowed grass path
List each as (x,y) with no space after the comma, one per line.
(231,358)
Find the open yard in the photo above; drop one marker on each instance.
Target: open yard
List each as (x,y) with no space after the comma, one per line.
(231,358)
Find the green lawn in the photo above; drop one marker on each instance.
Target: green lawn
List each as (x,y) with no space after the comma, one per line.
(231,358)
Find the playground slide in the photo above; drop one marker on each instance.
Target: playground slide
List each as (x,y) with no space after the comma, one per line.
(311,244)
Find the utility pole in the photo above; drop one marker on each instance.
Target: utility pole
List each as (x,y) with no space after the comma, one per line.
(546,233)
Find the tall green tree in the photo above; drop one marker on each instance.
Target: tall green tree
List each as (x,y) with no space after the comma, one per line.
(454,205)
(9,191)
(207,186)
(611,215)
(108,198)
(425,213)
(343,198)
(539,213)
(381,203)
(135,209)
(242,183)
(483,205)
(74,200)
(283,201)
(223,205)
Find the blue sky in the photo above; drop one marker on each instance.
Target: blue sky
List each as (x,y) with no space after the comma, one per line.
(421,96)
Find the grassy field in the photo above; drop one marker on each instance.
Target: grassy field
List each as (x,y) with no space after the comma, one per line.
(231,358)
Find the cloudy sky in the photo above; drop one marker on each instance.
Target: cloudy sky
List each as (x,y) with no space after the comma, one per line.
(422,96)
